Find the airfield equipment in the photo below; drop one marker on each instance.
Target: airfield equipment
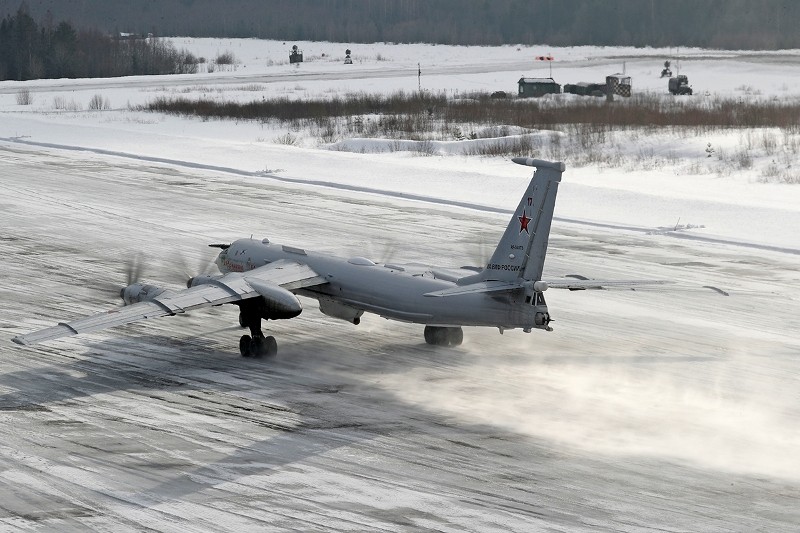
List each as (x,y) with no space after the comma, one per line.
(535,87)
(619,84)
(347,59)
(584,88)
(679,85)
(296,56)
(666,72)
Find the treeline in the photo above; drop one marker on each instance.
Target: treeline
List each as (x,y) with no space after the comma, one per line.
(730,24)
(30,51)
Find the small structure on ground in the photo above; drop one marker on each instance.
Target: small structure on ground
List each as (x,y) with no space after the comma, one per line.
(618,84)
(347,59)
(666,72)
(296,56)
(584,88)
(679,85)
(534,87)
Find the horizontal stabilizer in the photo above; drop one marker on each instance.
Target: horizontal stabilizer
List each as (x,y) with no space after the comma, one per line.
(604,284)
(585,284)
(539,163)
(474,288)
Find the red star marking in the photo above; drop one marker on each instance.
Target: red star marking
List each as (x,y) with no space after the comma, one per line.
(523,222)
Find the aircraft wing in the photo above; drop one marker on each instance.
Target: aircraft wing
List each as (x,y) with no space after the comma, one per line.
(230,288)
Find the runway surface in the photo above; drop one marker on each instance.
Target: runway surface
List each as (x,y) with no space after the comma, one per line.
(675,411)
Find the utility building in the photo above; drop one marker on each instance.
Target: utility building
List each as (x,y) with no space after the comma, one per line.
(534,87)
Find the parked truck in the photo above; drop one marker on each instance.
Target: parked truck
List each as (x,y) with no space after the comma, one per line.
(679,85)
(584,88)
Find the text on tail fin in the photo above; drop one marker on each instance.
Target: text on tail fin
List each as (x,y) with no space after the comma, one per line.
(522,249)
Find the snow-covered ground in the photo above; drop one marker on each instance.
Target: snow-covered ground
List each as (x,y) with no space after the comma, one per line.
(672,410)
(658,180)
(640,411)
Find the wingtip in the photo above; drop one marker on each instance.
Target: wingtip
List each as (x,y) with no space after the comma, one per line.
(539,163)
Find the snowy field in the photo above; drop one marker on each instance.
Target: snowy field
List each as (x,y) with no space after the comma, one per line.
(661,180)
(641,411)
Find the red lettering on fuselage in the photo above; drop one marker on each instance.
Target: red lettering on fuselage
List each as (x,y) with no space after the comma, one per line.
(233,266)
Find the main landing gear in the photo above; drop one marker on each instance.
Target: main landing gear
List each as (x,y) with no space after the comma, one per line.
(255,344)
(258,346)
(444,336)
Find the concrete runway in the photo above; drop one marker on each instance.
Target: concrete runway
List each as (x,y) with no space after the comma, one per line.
(675,411)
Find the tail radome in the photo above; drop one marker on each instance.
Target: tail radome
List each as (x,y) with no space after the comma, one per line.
(522,249)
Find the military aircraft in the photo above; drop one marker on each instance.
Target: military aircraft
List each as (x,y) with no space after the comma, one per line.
(264,279)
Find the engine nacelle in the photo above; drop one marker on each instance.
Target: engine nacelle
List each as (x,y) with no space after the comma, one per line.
(139,292)
(339,310)
(276,302)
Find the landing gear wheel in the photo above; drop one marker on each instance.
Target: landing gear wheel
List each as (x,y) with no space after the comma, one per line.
(258,346)
(264,346)
(245,344)
(429,334)
(455,336)
(270,346)
(435,335)
(441,336)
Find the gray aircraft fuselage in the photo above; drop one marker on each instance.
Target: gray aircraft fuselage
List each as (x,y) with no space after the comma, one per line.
(391,291)
(264,279)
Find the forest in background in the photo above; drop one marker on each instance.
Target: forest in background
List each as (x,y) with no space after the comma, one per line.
(726,24)
(29,50)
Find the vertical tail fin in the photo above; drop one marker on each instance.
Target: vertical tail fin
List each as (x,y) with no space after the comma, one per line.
(521,251)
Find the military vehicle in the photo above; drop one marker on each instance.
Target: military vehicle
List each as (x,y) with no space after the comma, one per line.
(679,85)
